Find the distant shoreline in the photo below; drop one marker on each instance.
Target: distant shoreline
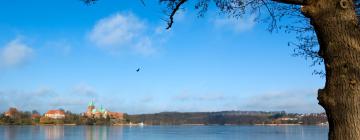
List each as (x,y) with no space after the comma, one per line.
(15,117)
(172,125)
(278,124)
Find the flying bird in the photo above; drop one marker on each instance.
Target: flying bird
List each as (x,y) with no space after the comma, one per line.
(138,70)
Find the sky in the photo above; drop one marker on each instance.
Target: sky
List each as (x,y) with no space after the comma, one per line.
(64,54)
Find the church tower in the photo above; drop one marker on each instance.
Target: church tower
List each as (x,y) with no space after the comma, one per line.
(90,108)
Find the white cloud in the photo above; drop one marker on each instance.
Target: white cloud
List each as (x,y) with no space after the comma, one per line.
(26,100)
(44,91)
(84,89)
(15,53)
(41,99)
(116,30)
(44,98)
(66,103)
(299,101)
(123,31)
(144,46)
(237,25)
(290,101)
(180,15)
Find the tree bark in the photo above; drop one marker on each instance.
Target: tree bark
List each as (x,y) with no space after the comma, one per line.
(338,33)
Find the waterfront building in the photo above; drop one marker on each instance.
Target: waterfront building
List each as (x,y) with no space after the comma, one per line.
(288,119)
(93,112)
(12,112)
(35,116)
(55,114)
(116,115)
(90,108)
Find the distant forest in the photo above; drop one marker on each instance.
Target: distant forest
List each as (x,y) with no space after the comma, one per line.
(227,118)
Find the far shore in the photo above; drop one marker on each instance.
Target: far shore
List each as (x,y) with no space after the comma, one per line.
(136,124)
(277,124)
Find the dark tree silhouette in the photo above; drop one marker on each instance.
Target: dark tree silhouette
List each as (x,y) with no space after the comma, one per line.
(332,26)
(327,31)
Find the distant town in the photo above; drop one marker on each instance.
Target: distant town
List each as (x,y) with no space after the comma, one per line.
(102,116)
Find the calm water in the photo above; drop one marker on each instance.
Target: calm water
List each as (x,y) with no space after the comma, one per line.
(163,133)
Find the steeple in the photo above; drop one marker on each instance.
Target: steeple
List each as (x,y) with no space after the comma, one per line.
(91,103)
(101,109)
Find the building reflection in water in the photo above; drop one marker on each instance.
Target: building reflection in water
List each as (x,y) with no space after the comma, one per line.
(55,132)
(96,132)
(35,132)
(102,132)
(58,132)
(10,132)
(116,132)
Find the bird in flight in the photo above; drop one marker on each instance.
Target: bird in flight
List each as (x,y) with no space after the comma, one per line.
(137,70)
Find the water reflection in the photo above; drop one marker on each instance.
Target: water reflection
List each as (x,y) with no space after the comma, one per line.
(116,132)
(35,132)
(10,132)
(54,132)
(96,132)
(162,132)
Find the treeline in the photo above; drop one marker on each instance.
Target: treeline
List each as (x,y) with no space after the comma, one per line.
(76,120)
(169,118)
(20,118)
(207,118)
(33,118)
(225,118)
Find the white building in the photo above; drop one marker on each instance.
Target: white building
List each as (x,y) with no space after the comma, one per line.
(55,114)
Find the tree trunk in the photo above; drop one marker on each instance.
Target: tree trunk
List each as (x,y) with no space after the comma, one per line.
(338,33)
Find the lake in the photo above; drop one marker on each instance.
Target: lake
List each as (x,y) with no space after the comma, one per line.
(163,132)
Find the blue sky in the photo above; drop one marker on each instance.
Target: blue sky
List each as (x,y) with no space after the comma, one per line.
(63,54)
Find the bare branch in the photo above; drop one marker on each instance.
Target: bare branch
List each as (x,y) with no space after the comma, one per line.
(295,2)
(272,15)
(174,10)
(143,2)
(89,1)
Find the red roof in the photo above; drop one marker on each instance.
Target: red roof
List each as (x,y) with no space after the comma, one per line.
(55,112)
(117,115)
(35,116)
